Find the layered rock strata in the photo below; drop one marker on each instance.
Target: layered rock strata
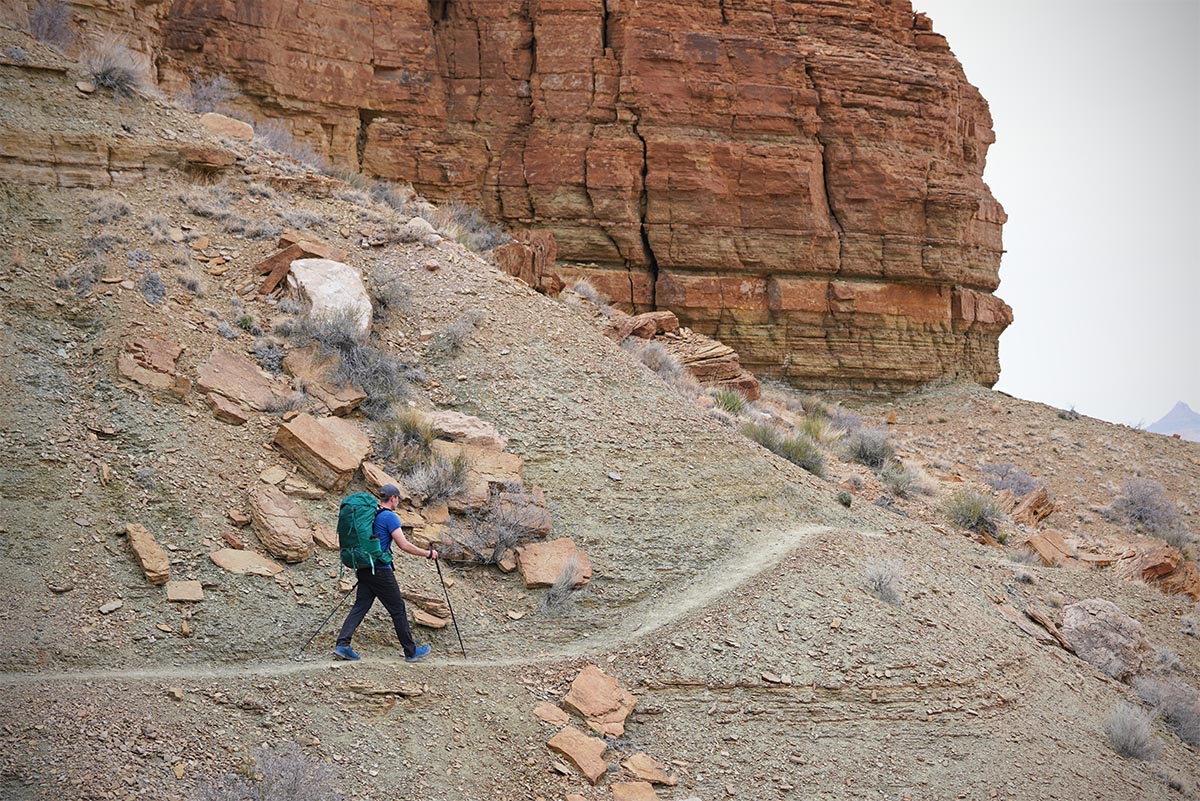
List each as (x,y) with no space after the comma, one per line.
(802,180)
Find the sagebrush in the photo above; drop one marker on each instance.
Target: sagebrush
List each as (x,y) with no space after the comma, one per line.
(1129,732)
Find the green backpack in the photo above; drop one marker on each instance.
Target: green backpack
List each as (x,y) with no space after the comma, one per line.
(356,532)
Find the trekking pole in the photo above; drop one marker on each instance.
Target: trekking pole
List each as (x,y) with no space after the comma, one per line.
(438,563)
(326,620)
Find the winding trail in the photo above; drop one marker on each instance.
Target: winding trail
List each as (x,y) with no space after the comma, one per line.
(656,613)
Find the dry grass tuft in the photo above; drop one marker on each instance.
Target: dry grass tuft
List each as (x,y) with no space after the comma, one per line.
(1129,732)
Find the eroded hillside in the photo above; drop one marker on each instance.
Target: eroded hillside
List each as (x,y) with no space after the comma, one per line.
(730,592)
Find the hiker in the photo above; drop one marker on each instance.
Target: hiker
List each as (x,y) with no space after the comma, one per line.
(379,581)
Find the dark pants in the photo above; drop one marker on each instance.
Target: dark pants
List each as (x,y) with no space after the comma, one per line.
(382,585)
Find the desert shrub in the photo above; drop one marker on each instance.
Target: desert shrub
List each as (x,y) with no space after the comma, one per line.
(50,22)
(464,224)
(389,295)
(1004,476)
(102,244)
(815,407)
(1176,702)
(106,208)
(438,479)
(882,577)
(449,342)
(302,219)
(389,194)
(904,480)
(274,135)
(560,594)
(384,379)
(870,447)
(510,518)
(226,330)
(289,306)
(845,498)
(730,400)
(247,323)
(846,421)
(212,203)
(584,289)
(798,449)
(1144,504)
(1068,414)
(144,478)
(209,93)
(656,356)
(1166,659)
(190,282)
(269,354)
(81,277)
(261,190)
(113,66)
(18,54)
(820,428)
(405,441)
(1129,733)
(353,196)
(284,773)
(152,287)
(279,404)
(973,510)
(159,229)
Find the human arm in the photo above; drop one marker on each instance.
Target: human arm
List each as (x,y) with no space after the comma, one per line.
(403,544)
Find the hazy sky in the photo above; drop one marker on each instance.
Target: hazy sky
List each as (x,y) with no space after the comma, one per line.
(1096,107)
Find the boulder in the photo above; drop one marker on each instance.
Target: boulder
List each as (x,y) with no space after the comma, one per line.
(465,429)
(350,435)
(330,288)
(326,537)
(316,373)
(150,361)
(542,563)
(584,752)
(531,257)
(317,450)
(245,562)
(633,791)
(1050,547)
(643,326)
(311,246)
(1034,507)
(526,509)
(226,410)
(375,478)
(649,769)
(227,126)
(282,526)
(149,553)
(1106,637)
(185,591)
(1163,566)
(486,467)
(237,378)
(602,702)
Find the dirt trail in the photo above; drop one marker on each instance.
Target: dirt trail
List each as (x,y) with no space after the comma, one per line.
(652,615)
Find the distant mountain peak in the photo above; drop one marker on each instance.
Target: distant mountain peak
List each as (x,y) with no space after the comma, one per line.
(1181,420)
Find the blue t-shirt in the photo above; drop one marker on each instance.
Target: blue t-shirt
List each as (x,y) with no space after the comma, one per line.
(385,523)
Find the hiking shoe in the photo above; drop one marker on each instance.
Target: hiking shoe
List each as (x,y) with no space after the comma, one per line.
(420,653)
(346,652)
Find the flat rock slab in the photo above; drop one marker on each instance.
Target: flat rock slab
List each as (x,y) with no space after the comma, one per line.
(282,526)
(184,591)
(375,477)
(423,618)
(552,714)
(584,752)
(465,429)
(486,467)
(602,702)
(237,378)
(633,791)
(318,451)
(316,371)
(150,362)
(245,562)
(351,436)
(226,410)
(649,769)
(331,288)
(542,563)
(227,126)
(148,553)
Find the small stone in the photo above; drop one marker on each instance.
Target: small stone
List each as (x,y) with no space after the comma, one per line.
(110,607)
(87,87)
(514,614)
(554,715)
(175,693)
(273,474)
(238,518)
(184,591)
(615,476)
(179,770)
(163,627)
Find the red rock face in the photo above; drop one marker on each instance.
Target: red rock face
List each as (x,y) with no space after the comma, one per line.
(802,180)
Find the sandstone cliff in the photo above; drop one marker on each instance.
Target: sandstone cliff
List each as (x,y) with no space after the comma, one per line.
(802,180)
